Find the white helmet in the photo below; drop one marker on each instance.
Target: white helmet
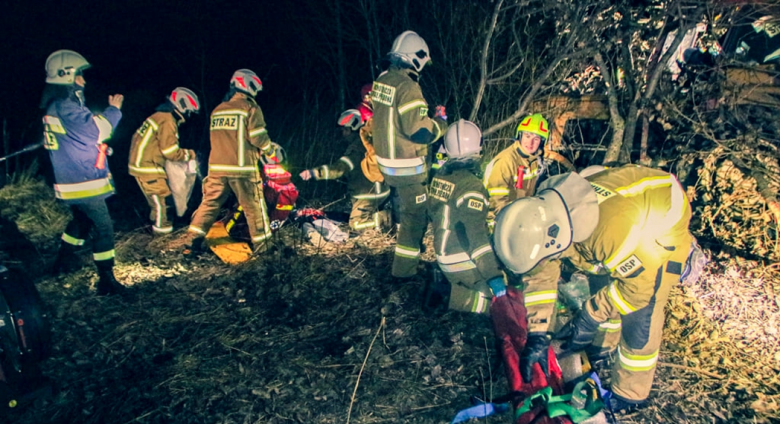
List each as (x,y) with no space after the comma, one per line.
(351,119)
(530,230)
(63,65)
(184,100)
(411,49)
(463,139)
(592,170)
(247,82)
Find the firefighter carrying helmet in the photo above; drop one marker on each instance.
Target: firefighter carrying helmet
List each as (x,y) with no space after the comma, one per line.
(63,65)
(351,119)
(535,124)
(463,139)
(410,49)
(185,101)
(247,82)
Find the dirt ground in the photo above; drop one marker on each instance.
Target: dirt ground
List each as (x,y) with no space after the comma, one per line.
(324,334)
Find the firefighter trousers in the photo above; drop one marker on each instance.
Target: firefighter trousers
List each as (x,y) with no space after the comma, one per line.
(367,201)
(158,196)
(413,220)
(91,219)
(249,192)
(469,292)
(638,333)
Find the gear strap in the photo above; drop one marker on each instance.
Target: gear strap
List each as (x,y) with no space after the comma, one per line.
(583,403)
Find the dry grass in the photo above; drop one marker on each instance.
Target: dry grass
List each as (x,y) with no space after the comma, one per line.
(284,337)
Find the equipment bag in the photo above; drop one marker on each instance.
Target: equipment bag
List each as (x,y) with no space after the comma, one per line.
(280,194)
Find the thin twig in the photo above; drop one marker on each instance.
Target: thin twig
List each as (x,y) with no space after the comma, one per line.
(357,383)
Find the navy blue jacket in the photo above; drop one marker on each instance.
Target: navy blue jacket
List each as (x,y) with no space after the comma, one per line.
(72,135)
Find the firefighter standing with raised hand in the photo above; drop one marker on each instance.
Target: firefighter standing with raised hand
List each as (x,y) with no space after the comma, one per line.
(513,173)
(367,196)
(402,132)
(238,140)
(630,223)
(458,206)
(155,142)
(74,138)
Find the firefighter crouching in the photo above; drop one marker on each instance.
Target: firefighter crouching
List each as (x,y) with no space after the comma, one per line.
(402,132)
(238,139)
(367,195)
(458,206)
(155,142)
(74,138)
(513,173)
(630,223)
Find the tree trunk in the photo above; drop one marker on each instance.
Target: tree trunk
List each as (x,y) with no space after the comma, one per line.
(483,63)
(340,55)
(615,119)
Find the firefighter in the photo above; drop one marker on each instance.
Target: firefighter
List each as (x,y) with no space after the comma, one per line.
(156,142)
(74,138)
(513,173)
(458,206)
(628,223)
(365,107)
(402,132)
(239,140)
(367,196)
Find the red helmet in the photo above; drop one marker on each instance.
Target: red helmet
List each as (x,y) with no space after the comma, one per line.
(365,112)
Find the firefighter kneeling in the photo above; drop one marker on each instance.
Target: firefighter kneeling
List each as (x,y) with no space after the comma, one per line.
(630,223)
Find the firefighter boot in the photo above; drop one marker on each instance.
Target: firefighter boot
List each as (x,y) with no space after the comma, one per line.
(107,284)
(67,260)
(436,299)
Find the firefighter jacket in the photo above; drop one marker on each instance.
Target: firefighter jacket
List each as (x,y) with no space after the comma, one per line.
(402,128)
(457,206)
(154,143)
(511,176)
(346,165)
(643,220)
(369,165)
(238,138)
(73,135)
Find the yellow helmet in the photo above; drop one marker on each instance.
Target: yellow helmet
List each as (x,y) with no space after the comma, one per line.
(535,124)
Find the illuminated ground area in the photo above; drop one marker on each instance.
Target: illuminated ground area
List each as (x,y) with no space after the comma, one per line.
(283,339)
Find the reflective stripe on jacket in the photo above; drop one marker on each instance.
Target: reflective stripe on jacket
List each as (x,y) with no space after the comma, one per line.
(72,135)
(458,205)
(501,178)
(155,142)
(238,137)
(401,114)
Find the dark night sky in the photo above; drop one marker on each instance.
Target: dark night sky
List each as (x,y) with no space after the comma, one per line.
(145,48)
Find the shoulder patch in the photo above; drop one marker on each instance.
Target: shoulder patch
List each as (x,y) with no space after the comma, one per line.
(424,111)
(441,189)
(420,199)
(601,192)
(382,93)
(476,204)
(629,266)
(224,122)
(144,128)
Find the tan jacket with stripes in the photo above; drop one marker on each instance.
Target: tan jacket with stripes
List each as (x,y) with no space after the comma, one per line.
(156,142)
(238,138)
(400,112)
(501,176)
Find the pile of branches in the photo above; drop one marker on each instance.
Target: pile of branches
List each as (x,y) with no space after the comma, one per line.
(724,146)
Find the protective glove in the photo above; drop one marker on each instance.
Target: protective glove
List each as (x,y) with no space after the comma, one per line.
(579,332)
(497,286)
(441,112)
(307,175)
(535,352)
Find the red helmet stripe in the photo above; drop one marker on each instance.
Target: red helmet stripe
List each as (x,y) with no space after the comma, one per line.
(345,121)
(258,80)
(173,96)
(192,102)
(241,81)
(541,127)
(526,122)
